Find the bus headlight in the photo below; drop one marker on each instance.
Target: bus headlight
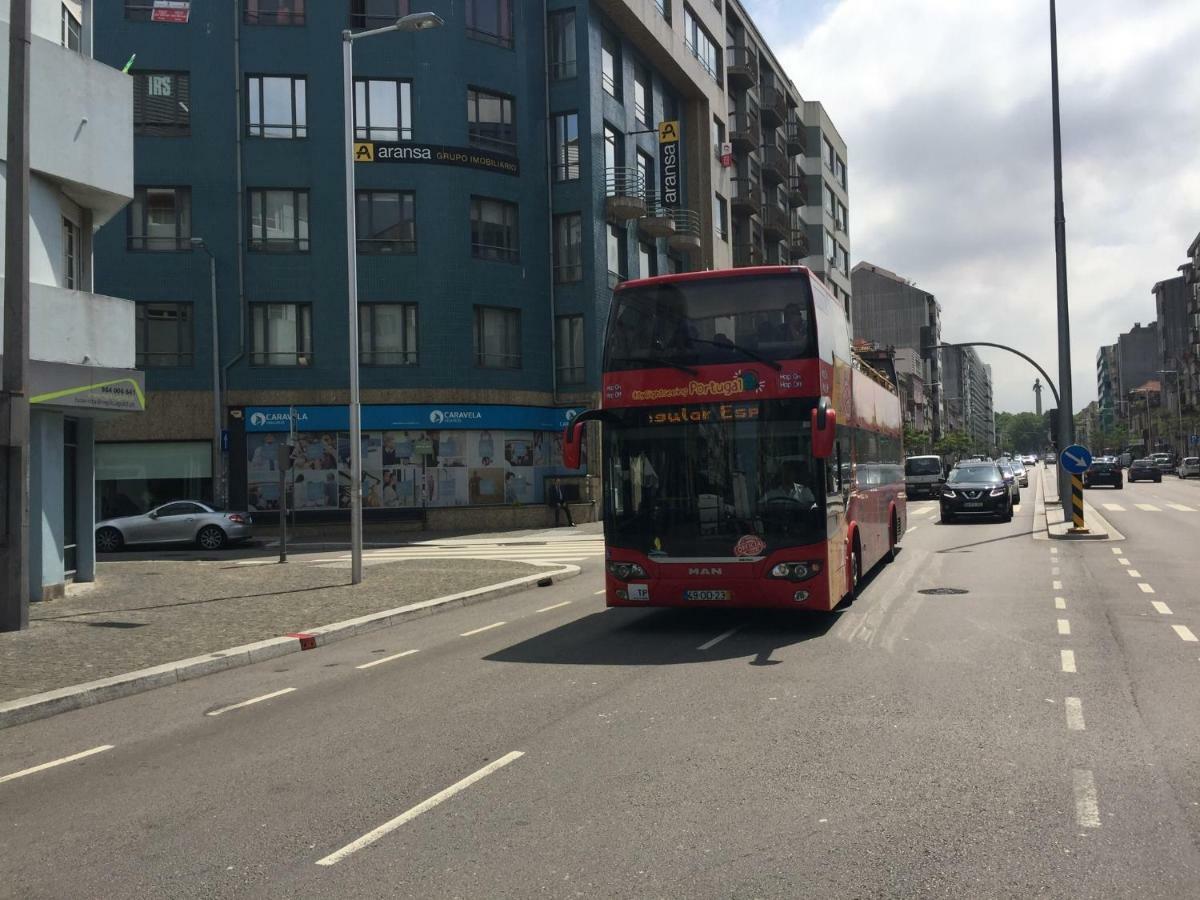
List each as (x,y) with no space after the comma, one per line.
(795,571)
(623,571)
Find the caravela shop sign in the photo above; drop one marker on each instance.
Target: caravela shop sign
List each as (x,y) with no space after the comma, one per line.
(434,154)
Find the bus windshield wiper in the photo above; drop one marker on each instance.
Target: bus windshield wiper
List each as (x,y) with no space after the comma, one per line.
(730,345)
(662,359)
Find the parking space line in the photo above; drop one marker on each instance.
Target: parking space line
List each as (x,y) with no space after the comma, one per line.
(1074,708)
(1145,588)
(484,628)
(13,776)
(555,606)
(1068,660)
(1161,608)
(1184,632)
(1064,626)
(1087,809)
(437,799)
(380,662)
(1060,602)
(708,645)
(250,702)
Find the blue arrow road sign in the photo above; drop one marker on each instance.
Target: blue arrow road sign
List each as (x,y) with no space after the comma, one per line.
(1075,459)
(1195,439)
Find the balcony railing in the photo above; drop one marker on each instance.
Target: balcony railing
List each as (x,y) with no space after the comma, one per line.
(741,66)
(686,236)
(797,191)
(799,244)
(747,255)
(796,139)
(659,220)
(624,193)
(746,197)
(777,223)
(774,106)
(775,166)
(744,131)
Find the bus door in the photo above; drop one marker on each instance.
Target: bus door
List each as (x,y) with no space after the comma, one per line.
(837,496)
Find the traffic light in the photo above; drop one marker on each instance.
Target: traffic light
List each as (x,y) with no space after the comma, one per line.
(1052,423)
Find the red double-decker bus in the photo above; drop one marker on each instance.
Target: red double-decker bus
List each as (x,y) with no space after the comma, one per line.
(748,458)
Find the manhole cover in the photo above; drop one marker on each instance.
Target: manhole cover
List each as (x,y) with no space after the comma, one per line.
(116,624)
(942,591)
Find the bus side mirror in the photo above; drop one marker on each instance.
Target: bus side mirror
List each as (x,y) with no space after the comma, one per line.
(824,426)
(572,444)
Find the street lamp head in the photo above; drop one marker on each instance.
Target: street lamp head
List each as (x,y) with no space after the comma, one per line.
(419,21)
(197,241)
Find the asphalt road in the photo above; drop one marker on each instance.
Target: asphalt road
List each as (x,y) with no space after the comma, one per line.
(1033,736)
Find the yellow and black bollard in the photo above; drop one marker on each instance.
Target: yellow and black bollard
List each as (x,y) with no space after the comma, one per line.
(1077,526)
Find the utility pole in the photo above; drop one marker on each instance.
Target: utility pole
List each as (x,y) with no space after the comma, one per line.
(14,398)
(1066,420)
(1037,396)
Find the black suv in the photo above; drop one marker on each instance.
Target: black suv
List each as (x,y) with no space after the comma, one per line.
(1144,470)
(976,489)
(1104,473)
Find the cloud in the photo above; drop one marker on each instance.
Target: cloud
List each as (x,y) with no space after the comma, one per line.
(945,108)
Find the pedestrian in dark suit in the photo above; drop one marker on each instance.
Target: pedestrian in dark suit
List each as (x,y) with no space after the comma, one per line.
(558,499)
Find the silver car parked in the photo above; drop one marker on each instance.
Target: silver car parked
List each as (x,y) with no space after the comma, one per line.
(178,522)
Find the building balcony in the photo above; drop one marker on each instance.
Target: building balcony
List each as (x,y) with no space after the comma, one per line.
(775,168)
(797,191)
(659,220)
(744,131)
(741,66)
(796,139)
(78,327)
(799,244)
(746,197)
(748,255)
(685,236)
(86,145)
(624,194)
(774,106)
(777,224)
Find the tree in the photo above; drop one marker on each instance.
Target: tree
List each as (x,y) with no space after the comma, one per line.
(1020,432)
(915,441)
(954,443)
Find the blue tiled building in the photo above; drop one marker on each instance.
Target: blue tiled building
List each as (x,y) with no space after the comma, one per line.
(508,178)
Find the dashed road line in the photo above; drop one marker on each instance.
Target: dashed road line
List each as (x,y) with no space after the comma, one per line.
(483,629)
(1133,573)
(708,645)
(437,799)
(1161,608)
(1064,626)
(1087,808)
(1074,709)
(1145,588)
(1147,507)
(1180,507)
(913,528)
(1060,602)
(1054,551)
(1185,633)
(13,776)
(1057,585)
(555,606)
(1123,561)
(1114,507)
(250,702)
(1068,660)
(600,593)
(386,659)
(1117,550)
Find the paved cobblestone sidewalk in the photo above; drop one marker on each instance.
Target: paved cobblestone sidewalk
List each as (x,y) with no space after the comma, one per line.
(146,612)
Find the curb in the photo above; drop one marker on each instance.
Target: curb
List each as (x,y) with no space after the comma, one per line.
(78,696)
(1102,530)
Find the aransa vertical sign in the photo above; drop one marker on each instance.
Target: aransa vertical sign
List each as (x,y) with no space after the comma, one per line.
(668,162)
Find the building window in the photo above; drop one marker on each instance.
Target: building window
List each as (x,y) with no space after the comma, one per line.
(700,44)
(645,164)
(491,21)
(721,217)
(561,44)
(490,121)
(386,222)
(647,260)
(610,64)
(618,267)
(376,13)
(718,136)
(387,334)
(830,202)
(642,100)
(829,156)
(843,260)
(568,248)
(162,103)
(569,347)
(497,337)
(614,148)
(274,12)
(843,218)
(160,218)
(72,274)
(566,146)
(839,170)
(72,30)
(163,336)
(278,221)
(830,249)
(277,106)
(382,110)
(494,230)
(281,334)
(664,8)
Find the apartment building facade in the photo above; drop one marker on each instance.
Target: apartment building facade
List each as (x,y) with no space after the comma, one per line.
(1108,385)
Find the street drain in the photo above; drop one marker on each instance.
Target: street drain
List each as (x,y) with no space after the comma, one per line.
(939,592)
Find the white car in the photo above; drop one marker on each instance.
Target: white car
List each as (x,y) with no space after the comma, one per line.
(1189,467)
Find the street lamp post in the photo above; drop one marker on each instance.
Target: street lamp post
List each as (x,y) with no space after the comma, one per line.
(413,22)
(218,481)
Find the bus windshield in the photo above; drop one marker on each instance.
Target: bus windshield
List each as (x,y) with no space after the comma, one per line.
(690,481)
(710,321)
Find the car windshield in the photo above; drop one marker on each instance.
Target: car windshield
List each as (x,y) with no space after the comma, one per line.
(1006,469)
(922,465)
(975,475)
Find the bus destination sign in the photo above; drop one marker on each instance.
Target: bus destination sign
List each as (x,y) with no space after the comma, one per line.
(434,155)
(720,412)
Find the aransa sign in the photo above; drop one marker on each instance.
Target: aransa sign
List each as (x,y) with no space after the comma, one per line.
(668,162)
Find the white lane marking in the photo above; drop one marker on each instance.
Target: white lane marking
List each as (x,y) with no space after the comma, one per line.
(1060,602)
(1117,550)
(555,606)
(1068,660)
(54,762)
(1087,810)
(1146,589)
(1133,573)
(1161,608)
(1114,507)
(708,645)
(1180,507)
(1064,626)
(1184,632)
(1123,561)
(484,628)
(1057,585)
(912,528)
(920,511)
(1147,507)
(440,797)
(1074,708)
(600,593)
(1054,551)
(1056,571)
(250,702)
(380,662)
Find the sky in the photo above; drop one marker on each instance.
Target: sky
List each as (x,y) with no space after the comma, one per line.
(945,109)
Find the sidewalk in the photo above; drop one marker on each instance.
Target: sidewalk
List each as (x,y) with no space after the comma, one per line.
(147,612)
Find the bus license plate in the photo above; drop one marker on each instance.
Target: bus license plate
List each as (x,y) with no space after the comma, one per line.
(706,595)
(973,504)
